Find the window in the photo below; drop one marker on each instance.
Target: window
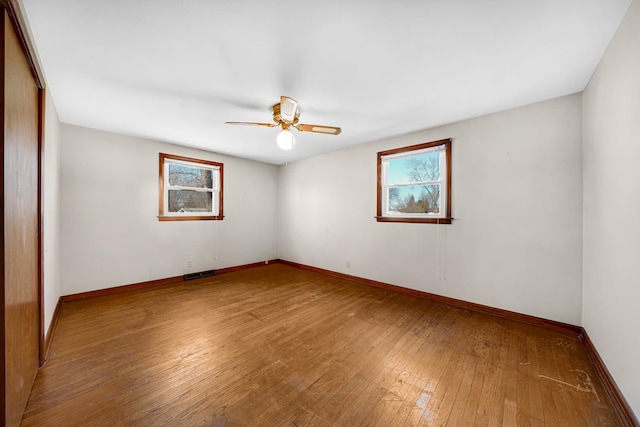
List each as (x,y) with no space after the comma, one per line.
(414,183)
(190,189)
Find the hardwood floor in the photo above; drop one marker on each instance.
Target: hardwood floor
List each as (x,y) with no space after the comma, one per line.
(282,346)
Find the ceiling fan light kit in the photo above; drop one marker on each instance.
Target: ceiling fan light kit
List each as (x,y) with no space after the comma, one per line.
(285,115)
(285,139)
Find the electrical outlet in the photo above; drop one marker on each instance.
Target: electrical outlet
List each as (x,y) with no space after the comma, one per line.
(189,264)
(348,264)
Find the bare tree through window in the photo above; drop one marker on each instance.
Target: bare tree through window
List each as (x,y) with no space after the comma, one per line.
(190,200)
(423,198)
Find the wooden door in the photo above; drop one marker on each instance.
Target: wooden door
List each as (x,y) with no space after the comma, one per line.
(20,223)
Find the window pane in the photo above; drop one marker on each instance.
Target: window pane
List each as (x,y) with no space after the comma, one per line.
(186,176)
(414,199)
(419,168)
(190,201)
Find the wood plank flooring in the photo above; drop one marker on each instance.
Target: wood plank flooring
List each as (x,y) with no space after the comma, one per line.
(283,346)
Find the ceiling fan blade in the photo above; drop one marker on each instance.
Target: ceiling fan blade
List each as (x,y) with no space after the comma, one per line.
(330,130)
(270,125)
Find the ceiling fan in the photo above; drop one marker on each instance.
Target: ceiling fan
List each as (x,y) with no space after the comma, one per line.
(285,115)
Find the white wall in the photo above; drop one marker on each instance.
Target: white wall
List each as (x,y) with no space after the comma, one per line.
(516,242)
(51,204)
(111,235)
(611,315)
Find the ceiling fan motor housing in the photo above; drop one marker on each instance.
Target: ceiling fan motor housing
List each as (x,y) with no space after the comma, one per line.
(288,109)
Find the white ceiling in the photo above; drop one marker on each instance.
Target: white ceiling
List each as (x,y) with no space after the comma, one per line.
(176,70)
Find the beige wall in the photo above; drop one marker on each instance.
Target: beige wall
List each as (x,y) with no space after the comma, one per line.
(111,235)
(611,206)
(516,242)
(51,225)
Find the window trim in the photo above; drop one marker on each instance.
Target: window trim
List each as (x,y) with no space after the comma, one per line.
(446,218)
(162,216)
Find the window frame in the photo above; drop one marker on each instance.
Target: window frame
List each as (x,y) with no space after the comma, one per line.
(443,217)
(198,163)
